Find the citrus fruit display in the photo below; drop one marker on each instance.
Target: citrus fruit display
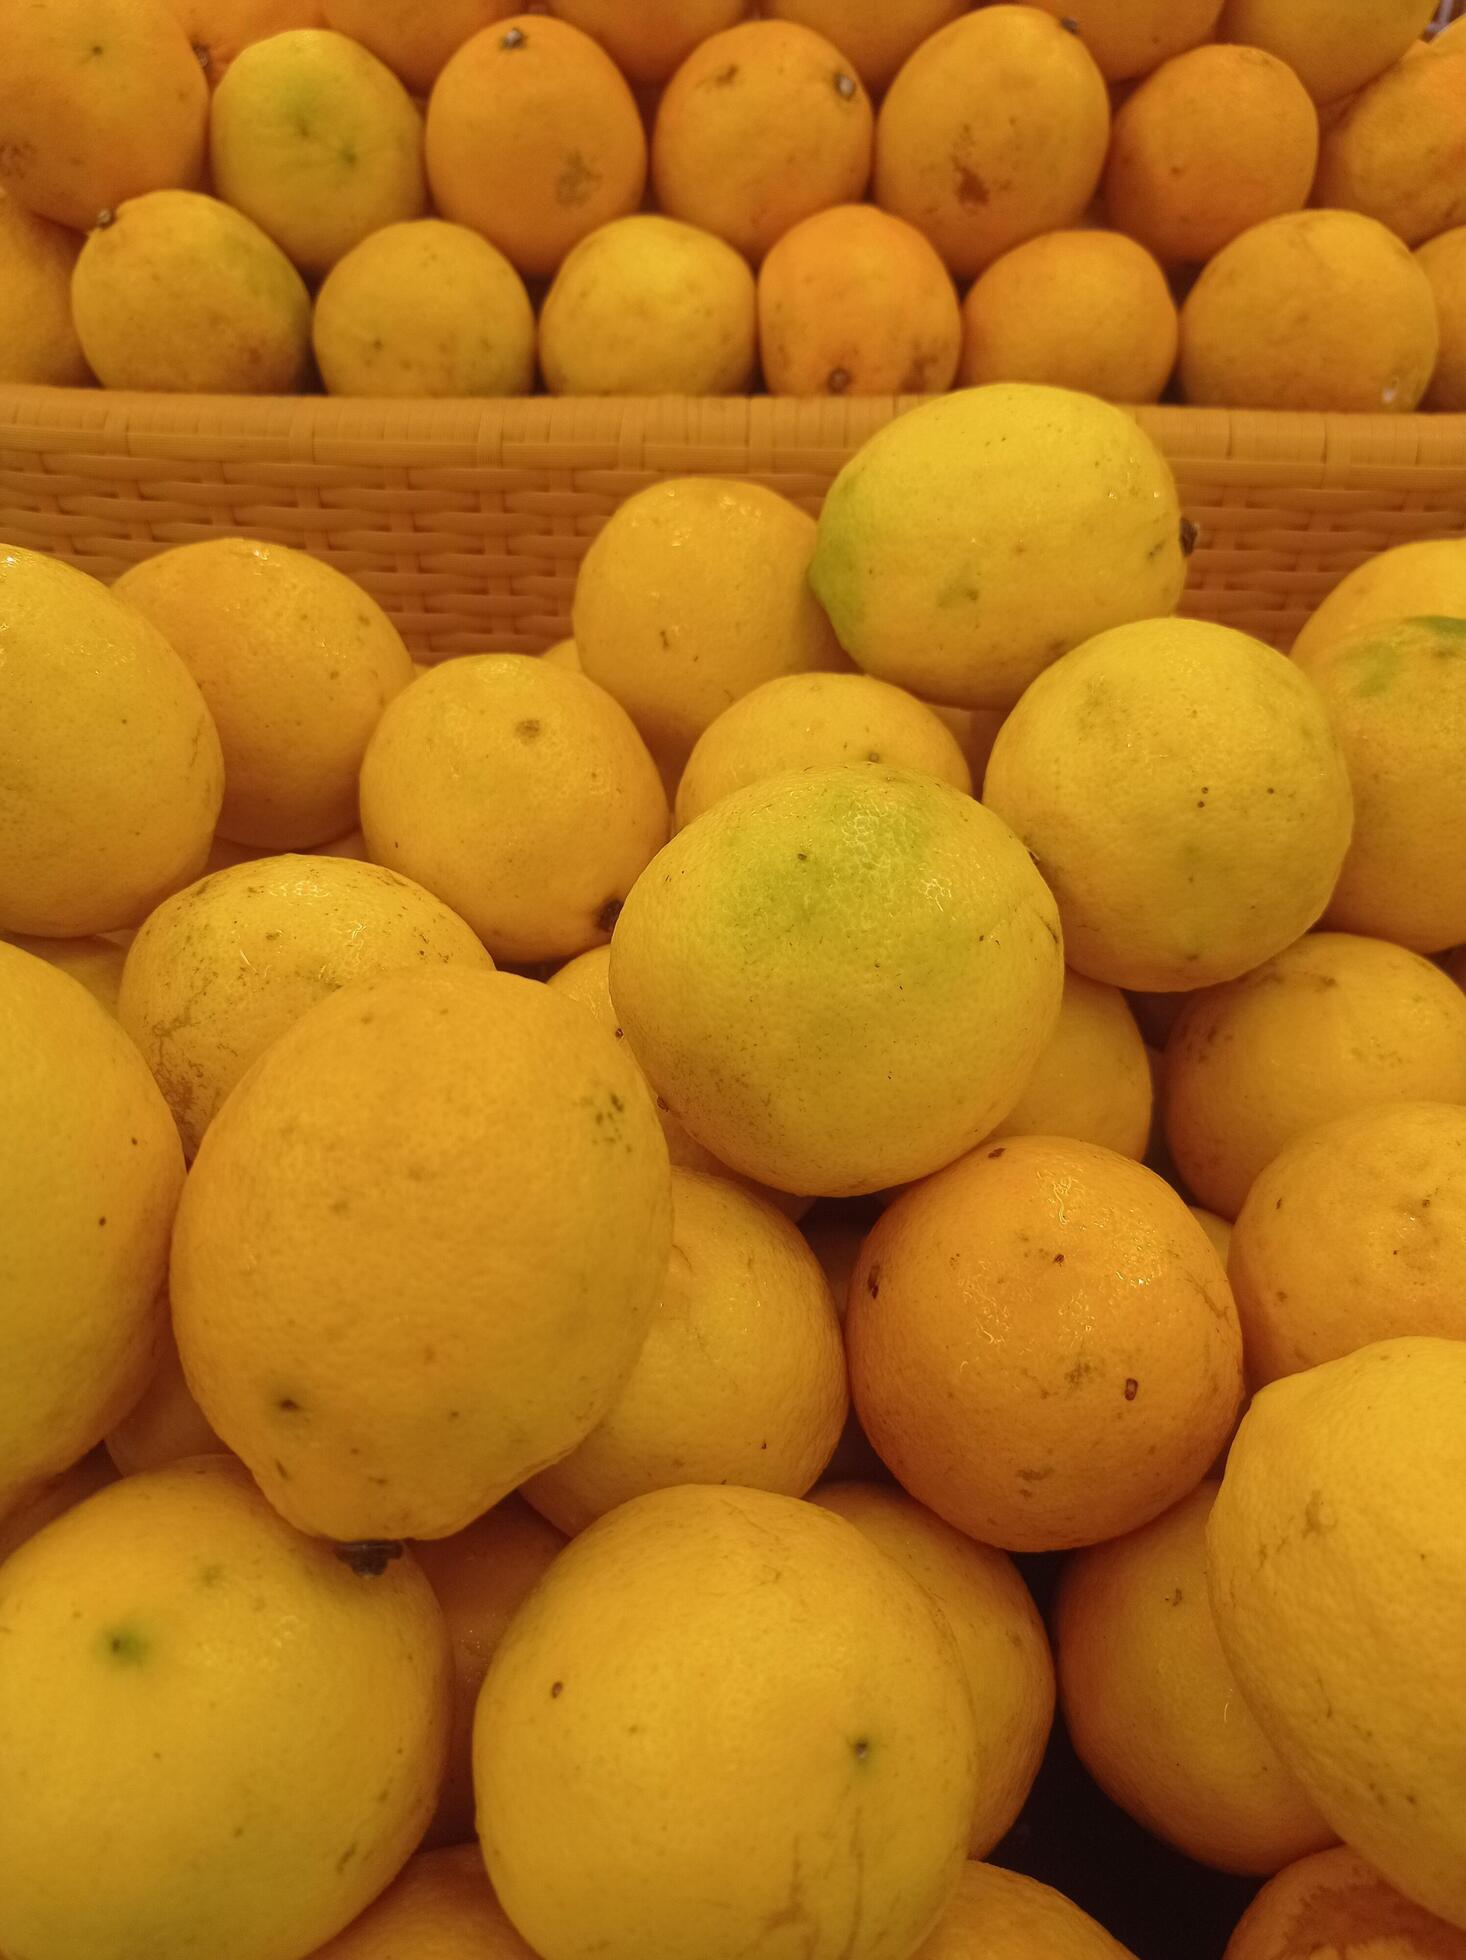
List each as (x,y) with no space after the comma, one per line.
(875,167)
(732,1153)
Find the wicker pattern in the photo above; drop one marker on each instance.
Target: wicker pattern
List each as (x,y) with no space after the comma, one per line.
(467,519)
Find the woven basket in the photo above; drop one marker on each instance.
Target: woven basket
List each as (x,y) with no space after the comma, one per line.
(467,520)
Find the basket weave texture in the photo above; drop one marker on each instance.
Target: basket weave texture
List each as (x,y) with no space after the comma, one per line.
(467,520)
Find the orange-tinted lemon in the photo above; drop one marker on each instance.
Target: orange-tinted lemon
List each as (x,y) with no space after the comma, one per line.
(1083,1413)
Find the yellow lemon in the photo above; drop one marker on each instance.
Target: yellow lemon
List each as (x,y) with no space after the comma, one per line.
(95,961)
(973,541)
(90,1173)
(110,771)
(816,721)
(649,306)
(318,142)
(741,1378)
(217,973)
(1396,695)
(694,593)
(806,907)
(1182,791)
(296,664)
(1314,310)
(722,1714)
(1093,1080)
(587,978)
(178,292)
(1334,1023)
(1443,261)
(1410,581)
(1355,1232)
(275,1725)
(999,1634)
(482,1575)
(1337,1560)
(424,308)
(1153,1710)
(38,340)
(418,1250)
(521,795)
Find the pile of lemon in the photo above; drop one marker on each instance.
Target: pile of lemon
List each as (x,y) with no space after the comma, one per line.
(1260,201)
(591,1204)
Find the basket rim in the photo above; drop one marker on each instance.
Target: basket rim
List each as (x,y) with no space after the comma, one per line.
(30,412)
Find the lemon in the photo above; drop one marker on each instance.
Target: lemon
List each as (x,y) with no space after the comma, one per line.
(1093,1079)
(816,721)
(418,1248)
(1396,694)
(693,594)
(839,980)
(521,795)
(110,770)
(220,970)
(999,1635)
(1354,1233)
(90,1172)
(296,663)
(741,1378)
(481,1575)
(1410,581)
(973,541)
(1183,792)
(37,336)
(318,142)
(1334,1023)
(235,1736)
(179,292)
(723,1724)
(646,305)
(1153,1709)
(95,961)
(1337,1556)
(424,308)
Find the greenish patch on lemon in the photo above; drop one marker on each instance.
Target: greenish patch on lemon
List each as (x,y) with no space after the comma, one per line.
(1376,669)
(125,1645)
